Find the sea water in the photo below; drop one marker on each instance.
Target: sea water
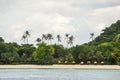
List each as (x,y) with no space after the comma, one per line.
(58,74)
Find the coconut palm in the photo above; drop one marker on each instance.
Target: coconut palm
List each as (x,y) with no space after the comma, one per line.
(38,40)
(58,38)
(44,37)
(23,38)
(67,39)
(27,33)
(50,37)
(71,38)
(92,35)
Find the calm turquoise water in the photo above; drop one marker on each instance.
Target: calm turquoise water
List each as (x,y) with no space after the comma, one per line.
(58,74)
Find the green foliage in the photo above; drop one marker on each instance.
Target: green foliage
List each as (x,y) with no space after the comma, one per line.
(9,57)
(8,53)
(84,53)
(108,34)
(107,44)
(26,36)
(59,51)
(116,52)
(1,39)
(75,52)
(27,49)
(44,54)
(117,38)
(69,58)
(25,52)
(81,53)
(3,47)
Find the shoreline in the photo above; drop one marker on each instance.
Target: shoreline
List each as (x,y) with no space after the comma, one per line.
(101,67)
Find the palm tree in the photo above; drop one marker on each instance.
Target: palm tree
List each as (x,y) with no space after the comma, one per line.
(38,40)
(71,38)
(44,37)
(50,37)
(92,35)
(58,38)
(67,39)
(27,34)
(23,38)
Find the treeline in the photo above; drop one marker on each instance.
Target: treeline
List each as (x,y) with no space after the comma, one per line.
(43,53)
(104,49)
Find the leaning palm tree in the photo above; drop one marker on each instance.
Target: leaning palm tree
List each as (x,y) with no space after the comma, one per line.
(58,38)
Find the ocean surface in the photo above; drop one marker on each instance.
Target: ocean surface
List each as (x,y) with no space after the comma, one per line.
(58,74)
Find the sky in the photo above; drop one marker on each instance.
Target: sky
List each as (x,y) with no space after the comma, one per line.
(75,17)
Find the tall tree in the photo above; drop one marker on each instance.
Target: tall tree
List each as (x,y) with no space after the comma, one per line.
(92,35)
(67,39)
(26,50)
(58,38)
(1,39)
(44,37)
(50,37)
(38,40)
(25,36)
(44,54)
(71,38)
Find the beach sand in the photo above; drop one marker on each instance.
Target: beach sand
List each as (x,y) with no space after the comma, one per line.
(60,66)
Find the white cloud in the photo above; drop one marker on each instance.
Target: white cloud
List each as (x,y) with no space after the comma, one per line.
(109,10)
(50,23)
(17,31)
(104,17)
(100,27)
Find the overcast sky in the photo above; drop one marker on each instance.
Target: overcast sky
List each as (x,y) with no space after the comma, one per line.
(76,17)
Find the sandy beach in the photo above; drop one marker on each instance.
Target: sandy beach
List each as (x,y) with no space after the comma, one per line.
(60,66)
